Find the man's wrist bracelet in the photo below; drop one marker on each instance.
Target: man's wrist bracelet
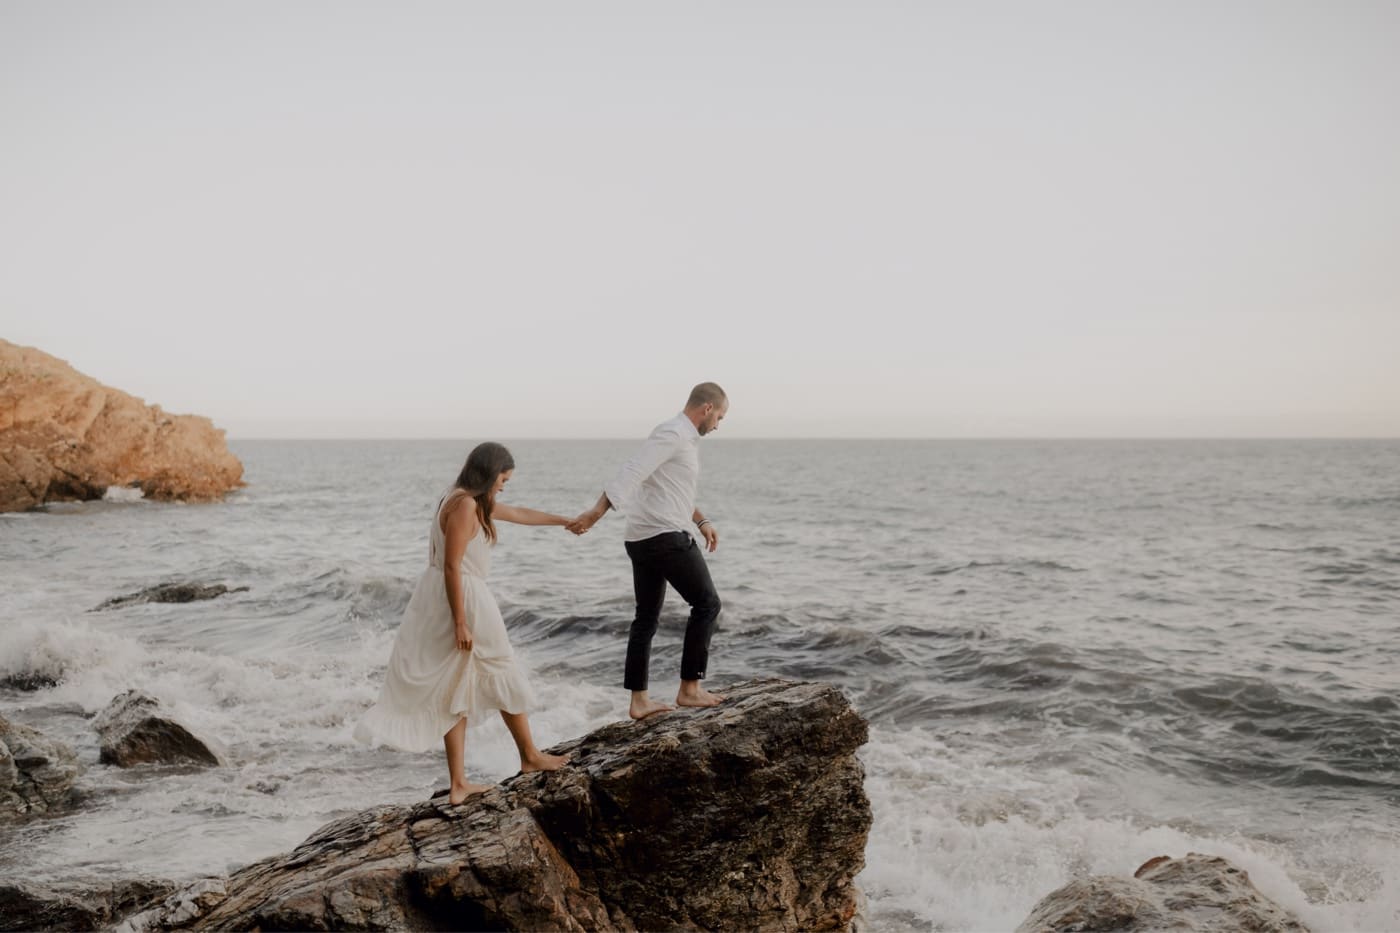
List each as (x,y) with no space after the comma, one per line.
(703,522)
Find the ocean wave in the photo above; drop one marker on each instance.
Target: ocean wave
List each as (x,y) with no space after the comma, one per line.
(1288,527)
(1281,734)
(528,626)
(934,632)
(1015,665)
(326,597)
(1316,549)
(1345,569)
(53,655)
(1156,598)
(1365,502)
(964,839)
(1355,574)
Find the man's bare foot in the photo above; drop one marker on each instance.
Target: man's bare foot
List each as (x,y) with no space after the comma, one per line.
(641,709)
(543,761)
(460,792)
(698,697)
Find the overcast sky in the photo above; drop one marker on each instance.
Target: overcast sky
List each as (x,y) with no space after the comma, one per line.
(519,219)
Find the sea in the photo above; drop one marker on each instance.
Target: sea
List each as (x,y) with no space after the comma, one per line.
(1073,655)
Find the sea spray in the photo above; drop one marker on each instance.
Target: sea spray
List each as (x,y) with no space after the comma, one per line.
(963,841)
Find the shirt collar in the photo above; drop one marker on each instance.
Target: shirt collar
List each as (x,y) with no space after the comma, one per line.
(687,426)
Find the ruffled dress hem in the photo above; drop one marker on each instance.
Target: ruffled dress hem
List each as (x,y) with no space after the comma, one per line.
(490,687)
(419,731)
(484,689)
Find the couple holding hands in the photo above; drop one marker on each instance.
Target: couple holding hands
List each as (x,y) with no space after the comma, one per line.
(452,664)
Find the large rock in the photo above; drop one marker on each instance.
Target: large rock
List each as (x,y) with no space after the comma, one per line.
(750,816)
(135,730)
(36,773)
(63,435)
(74,906)
(1195,893)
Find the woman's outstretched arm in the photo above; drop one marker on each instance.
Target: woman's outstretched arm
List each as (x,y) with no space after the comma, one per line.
(520,515)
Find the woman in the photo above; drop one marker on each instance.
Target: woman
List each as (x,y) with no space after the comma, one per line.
(452,663)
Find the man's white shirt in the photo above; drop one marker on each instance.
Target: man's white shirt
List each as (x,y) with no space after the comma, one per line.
(656,488)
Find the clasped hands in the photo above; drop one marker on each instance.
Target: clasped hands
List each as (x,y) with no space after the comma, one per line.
(585,521)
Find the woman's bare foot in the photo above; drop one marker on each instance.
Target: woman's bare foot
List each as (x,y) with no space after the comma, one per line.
(643,707)
(543,761)
(698,696)
(460,792)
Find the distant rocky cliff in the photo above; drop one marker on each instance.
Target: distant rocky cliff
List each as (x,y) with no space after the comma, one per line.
(63,435)
(750,816)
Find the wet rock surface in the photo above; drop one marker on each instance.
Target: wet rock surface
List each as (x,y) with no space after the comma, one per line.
(90,906)
(1193,893)
(751,816)
(135,729)
(36,773)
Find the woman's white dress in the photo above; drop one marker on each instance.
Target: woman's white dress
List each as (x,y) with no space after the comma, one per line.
(431,683)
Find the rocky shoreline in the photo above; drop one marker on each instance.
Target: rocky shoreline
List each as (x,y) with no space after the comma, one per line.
(751,816)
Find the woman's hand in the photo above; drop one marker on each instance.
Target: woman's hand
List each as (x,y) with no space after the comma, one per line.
(464,637)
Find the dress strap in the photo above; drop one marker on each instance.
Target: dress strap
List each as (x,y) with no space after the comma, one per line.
(436,530)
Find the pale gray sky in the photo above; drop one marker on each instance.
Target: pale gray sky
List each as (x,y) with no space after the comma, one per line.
(869,218)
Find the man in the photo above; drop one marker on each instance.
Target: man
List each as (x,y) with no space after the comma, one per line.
(656,491)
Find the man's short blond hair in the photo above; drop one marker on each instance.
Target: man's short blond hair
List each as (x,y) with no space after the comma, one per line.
(706,393)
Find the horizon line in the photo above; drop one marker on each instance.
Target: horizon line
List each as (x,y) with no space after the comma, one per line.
(996,437)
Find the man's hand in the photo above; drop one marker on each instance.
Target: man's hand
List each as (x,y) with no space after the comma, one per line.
(711,536)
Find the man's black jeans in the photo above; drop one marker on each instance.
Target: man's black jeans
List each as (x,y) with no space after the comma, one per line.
(672,558)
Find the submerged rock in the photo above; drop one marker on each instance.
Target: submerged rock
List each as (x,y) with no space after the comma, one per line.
(30,681)
(91,906)
(171,593)
(1195,893)
(135,730)
(36,773)
(64,436)
(749,816)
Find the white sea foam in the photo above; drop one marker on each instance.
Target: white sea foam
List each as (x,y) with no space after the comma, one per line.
(124,494)
(72,651)
(962,841)
(286,723)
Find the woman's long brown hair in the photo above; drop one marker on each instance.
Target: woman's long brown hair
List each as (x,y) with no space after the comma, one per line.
(478,478)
